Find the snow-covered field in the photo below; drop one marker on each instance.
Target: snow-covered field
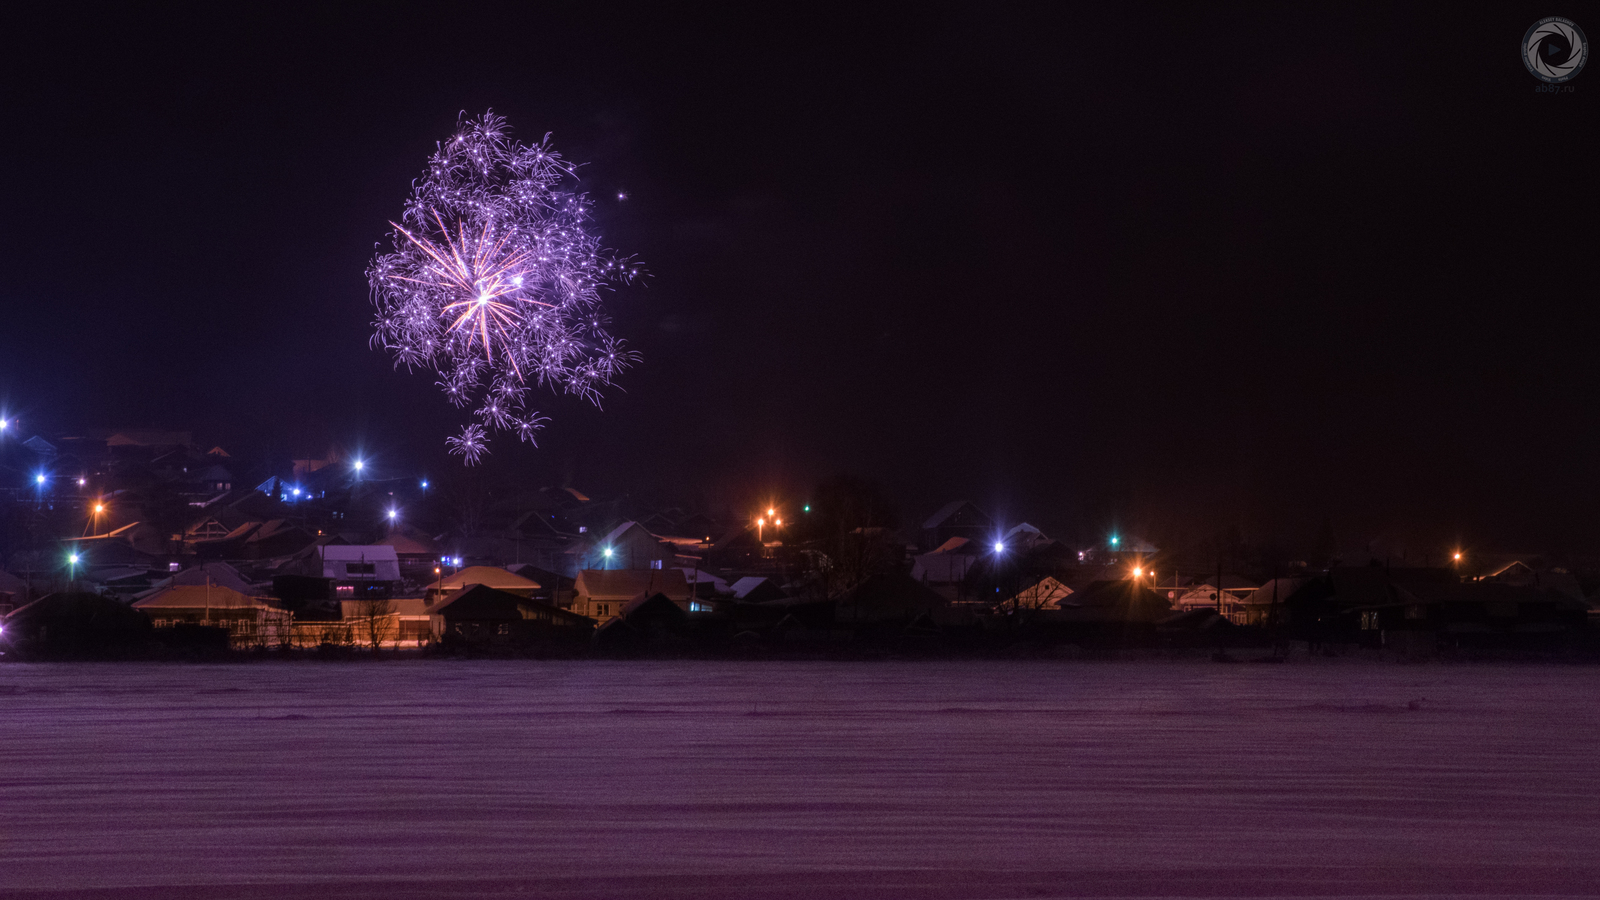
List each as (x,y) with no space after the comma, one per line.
(699,779)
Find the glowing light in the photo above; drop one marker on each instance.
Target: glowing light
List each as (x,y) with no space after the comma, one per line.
(770,510)
(81,482)
(295,491)
(99,508)
(606,553)
(1115,540)
(73,559)
(999,547)
(359,465)
(392,515)
(494,283)
(1137,571)
(806,508)
(778,522)
(424,484)
(4,424)
(38,479)
(1458,556)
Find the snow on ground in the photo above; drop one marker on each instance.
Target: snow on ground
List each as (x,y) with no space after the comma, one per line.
(810,779)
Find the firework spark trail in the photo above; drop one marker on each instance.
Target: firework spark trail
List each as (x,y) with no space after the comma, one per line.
(495,279)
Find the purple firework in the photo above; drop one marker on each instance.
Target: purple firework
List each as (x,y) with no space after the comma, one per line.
(494,283)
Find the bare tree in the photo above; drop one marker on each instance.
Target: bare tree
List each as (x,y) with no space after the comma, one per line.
(375,617)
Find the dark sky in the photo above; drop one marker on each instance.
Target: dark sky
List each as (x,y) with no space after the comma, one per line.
(1158,268)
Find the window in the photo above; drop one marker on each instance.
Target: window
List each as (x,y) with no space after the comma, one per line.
(655,563)
(360,568)
(1369,621)
(173,567)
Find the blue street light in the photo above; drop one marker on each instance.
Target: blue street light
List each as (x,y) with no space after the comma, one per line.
(999,547)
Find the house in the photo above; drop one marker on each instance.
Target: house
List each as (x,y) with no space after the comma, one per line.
(740,548)
(387,621)
(13,592)
(705,585)
(249,618)
(75,624)
(1112,602)
(360,569)
(1256,607)
(956,519)
(554,588)
(887,598)
(483,615)
(491,576)
(601,594)
(628,546)
(1423,607)
(646,619)
(276,538)
(1204,595)
(946,567)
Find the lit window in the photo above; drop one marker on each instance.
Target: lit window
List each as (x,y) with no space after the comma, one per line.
(655,563)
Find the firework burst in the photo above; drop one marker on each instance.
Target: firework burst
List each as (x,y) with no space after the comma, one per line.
(494,283)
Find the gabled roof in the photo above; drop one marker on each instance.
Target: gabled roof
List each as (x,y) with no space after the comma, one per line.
(701,576)
(357,553)
(490,576)
(757,589)
(11,584)
(410,545)
(214,573)
(951,510)
(149,437)
(625,584)
(194,596)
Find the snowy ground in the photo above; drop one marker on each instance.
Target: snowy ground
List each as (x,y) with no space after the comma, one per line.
(731,780)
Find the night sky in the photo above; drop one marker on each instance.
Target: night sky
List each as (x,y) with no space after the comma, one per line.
(1164,270)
